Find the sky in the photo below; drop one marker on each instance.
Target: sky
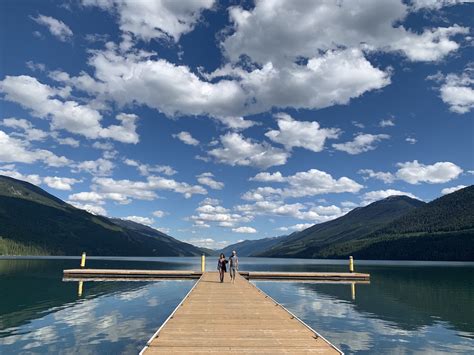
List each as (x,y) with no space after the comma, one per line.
(219,121)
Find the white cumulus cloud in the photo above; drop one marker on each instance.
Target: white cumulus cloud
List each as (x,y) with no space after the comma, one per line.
(440,172)
(56,27)
(362,142)
(246,230)
(308,135)
(186,138)
(238,150)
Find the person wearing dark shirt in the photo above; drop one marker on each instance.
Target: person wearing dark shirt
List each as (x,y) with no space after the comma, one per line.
(221,266)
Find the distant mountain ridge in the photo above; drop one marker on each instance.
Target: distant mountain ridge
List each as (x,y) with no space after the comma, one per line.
(34,221)
(251,247)
(397,227)
(358,222)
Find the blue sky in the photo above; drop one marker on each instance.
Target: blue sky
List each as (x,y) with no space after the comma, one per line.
(222,121)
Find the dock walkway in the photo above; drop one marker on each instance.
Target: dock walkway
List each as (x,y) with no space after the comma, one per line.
(238,318)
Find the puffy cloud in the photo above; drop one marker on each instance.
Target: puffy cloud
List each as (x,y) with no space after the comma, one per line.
(268,177)
(99,198)
(305,183)
(308,135)
(146,169)
(42,100)
(138,219)
(125,132)
(60,183)
(317,182)
(411,140)
(207,179)
(209,211)
(99,167)
(155,19)
(387,123)
(56,27)
(229,92)
(283,31)
(449,190)
(246,230)
(440,172)
(373,196)
(16,150)
(363,142)
(237,150)
(386,177)
(236,123)
(159,213)
(294,210)
(186,138)
(68,141)
(458,91)
(145,190)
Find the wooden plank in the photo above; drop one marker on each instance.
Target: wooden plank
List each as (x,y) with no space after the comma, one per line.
(235,318)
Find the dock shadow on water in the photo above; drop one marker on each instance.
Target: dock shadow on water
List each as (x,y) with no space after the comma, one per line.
(407,308)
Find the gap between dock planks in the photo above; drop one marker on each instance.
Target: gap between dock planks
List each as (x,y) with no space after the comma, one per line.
(239,318)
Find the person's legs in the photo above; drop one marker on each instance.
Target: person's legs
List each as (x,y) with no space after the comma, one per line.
(232,274)
(221,275)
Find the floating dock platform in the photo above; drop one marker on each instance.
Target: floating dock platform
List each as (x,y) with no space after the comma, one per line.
(151,275)
(216,318)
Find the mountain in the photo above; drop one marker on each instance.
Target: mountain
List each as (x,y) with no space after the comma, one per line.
(251,247)
(397,227)
(355,224)
(34,222)
(441,230)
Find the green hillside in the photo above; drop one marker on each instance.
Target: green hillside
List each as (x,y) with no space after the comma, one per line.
(441,230)
(33,221)
(355,224)
(394,228)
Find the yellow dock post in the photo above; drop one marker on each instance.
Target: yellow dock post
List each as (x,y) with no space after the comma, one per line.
(351,264)
(353,291)
(83,259)
(79,288)
(203,263)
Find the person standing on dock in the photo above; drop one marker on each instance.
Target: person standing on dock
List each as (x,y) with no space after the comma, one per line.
(221,266)
(234,265)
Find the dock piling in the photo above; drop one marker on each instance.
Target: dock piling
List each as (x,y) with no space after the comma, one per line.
(351,264)
(83,259)
(203,263)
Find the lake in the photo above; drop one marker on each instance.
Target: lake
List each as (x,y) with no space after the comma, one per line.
(408,308)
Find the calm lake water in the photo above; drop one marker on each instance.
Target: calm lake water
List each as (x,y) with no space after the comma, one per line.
(408,308)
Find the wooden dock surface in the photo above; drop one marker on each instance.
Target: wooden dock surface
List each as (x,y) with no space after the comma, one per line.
(234,318)
(150,275)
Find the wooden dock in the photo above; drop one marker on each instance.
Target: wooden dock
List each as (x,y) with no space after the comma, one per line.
(235,318)
(152,275)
